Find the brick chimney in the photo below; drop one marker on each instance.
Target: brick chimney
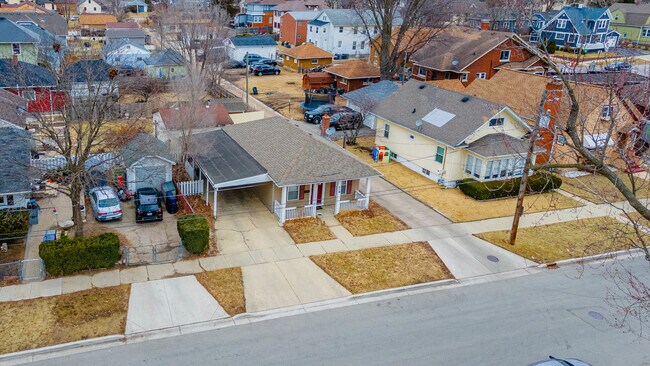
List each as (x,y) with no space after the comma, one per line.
(552,104)
(14,60)
(325,124)
(485,24)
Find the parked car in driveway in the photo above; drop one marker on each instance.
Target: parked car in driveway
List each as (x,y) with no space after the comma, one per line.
(233,64)
(553,361)
(262,69)
(346,119)
(106,206)
(148,205)
(252,58)
(316,116)
(265,61)
(618,66)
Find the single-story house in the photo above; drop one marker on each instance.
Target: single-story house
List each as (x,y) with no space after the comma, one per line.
(365,99)
(95,24)
(353,75)
(34,83)
(14,165)
(91,78)
(148,162)
(125,54)
(305,57)
(167,64)
(137,6)
(13,108)
(255,155)
(238,47)
(135,35)
(448,136)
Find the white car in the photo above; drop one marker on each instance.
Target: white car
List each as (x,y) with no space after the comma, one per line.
(105,204)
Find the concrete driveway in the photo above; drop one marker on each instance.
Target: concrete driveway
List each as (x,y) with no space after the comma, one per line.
(245,224)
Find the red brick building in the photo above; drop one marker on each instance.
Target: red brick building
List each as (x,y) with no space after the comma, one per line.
(353,75)
(293,26)
(469,54)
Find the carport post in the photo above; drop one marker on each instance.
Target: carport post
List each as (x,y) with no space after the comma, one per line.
(207,191)
(214,206)
(367,199)
(283,204)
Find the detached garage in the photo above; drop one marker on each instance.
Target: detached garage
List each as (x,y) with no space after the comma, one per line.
(148,162)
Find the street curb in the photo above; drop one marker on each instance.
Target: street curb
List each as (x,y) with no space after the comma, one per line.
(591,258)
(29,354)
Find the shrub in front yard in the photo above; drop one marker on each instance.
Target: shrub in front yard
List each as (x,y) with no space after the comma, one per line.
(194,231)
(66,255)
(537,183)
(13,224)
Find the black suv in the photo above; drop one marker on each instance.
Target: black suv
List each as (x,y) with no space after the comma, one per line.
(252,58)
(264,61)
(346,119)
(262,69)
(316,116)
(148,205)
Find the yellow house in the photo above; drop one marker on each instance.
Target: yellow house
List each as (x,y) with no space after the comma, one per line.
(447,136)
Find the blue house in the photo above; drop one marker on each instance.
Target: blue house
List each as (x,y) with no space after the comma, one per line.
(576,27)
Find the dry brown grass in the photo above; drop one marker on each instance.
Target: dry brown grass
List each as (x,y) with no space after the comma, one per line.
(274,90)
(598,189)
(15,252)
(452,202)
(227,287)
(53,320)
(307,230)
(385,267)
(572,239)
(374,220)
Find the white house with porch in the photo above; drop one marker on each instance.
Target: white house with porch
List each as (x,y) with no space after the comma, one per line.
(293,173)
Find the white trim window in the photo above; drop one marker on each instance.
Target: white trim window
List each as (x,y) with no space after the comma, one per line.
(440,154)
(473,166)
(504,168)
(422,71)
(481,75)
(561,23)
(343,187)
(602,24)
(463,77)
(386,130)
(505,55)
(646,32)
(354,45)
(606,112)
(15,48)
(560,36)
(293,193)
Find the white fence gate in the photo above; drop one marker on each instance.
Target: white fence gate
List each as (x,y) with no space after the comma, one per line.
(189,188)
(101,162)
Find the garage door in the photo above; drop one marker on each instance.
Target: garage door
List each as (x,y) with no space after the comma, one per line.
(150,176)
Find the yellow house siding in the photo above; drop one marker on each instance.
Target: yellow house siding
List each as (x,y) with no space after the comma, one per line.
(510,127)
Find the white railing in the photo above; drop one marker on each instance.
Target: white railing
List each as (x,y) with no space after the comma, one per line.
(358,195)
(292,213)
(350,205)
(101,161)
(277,210)
(189,188)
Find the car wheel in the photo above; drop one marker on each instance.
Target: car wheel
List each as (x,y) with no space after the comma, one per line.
(259,73)
(277,72)
(316,120)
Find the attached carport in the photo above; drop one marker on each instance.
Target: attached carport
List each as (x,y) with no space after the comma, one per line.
(224,164)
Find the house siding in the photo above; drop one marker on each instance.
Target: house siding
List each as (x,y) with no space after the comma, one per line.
(270,193)
(289,30)
(300,65)
(352,84)
(20,200)
(28,52)
(238,53)
(165,72)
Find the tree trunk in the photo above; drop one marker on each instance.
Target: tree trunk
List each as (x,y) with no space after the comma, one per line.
(75,199)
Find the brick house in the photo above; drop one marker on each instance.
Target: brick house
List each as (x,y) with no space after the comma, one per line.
(469,54)
(293,26)
(294,6)
(353,75)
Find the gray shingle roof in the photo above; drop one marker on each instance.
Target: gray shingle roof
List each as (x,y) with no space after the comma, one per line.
(253,41)
(53,22)
(143,145)
(222,158)
(343,17)
(12,108)
(115,45)
(292,156)
(415,99)
(167,57)
(11,32)
(303,15)
(88,70)
(373,93)
(14,159)
(24,74)
(116,33)
(500,144)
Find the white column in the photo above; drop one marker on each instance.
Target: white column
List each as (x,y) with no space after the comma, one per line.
(214,203)
(207,191)
(367,199)
(337,204)
(283,204)
(314,194)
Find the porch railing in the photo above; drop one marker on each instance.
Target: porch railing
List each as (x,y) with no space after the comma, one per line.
(189,188)
(358,203)
(291,213)
(277,210)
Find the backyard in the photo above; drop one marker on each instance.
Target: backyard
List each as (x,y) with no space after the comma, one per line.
(451,202)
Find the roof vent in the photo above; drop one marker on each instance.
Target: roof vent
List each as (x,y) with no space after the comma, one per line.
(465,99)
(422,86)
(413,110)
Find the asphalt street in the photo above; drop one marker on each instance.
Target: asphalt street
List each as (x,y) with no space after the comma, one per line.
(507,322)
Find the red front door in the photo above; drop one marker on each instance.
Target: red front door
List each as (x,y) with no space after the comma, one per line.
(319,195)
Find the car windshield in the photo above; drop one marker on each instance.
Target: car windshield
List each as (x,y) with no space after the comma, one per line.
(109,202)
(149,207)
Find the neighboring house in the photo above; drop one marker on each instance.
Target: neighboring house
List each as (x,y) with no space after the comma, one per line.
(148,162)
(365,99)
(295,6)
(90,78)
(13,108)
(293,26)
(341,31)
(95,24)
(238,47)
(23,7)
(166,64)
(170,123)
(576,27)
(353,75)
(17,42)
(15,188)
(305,57)
(632,22)
(447,136)
(122,25)
(88,7)
(34,83)
(134,35)
(137,6)
(66,8)
(126,55)
(52,22)
(498,19)
(412,41)
(255,155)
(51,49)
(257,13)
(468,54)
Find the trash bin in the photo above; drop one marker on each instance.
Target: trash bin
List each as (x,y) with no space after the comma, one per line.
(171,203)
(254,90)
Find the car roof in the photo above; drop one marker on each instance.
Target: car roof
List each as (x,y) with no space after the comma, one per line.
(147,191)
(103,192)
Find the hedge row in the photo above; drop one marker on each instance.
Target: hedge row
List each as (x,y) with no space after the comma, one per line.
(194,231)
(537,183)
(64,256)
(13,224)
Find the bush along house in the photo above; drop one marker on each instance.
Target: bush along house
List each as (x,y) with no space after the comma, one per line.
(575,27)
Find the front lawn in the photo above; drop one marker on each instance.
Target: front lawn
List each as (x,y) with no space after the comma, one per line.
(374,220)
(451,202)
(385,267)
(571,239)
(227,287)
(47,321)
(598,189)
(307,230)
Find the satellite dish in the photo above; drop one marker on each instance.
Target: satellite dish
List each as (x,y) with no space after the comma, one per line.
(330,131)
(418,123)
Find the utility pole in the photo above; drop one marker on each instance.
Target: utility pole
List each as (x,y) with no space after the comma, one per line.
(519,210)
(247,78)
